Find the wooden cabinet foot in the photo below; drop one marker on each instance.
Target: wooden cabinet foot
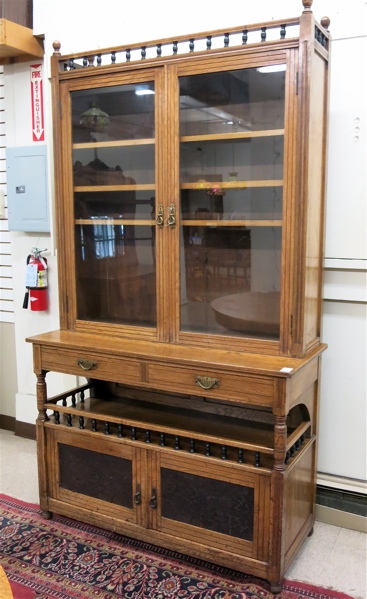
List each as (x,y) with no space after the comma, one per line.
(46,514)
(275,588)
(311,532)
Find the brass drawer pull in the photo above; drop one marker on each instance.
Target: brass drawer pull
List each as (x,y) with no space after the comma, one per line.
(87,364)
(206,382)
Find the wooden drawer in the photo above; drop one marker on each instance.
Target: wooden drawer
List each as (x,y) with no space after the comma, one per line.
(106,368)
(239,388)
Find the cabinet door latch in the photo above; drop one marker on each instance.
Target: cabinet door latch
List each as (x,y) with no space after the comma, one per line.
(171,218)
(153,499)
(137,496)
(160,216)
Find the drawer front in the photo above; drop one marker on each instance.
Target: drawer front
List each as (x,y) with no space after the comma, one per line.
(92,365)
(211,383)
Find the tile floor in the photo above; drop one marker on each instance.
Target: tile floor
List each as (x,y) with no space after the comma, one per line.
(333,557)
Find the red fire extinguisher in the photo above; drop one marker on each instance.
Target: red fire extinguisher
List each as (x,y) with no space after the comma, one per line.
(36,281)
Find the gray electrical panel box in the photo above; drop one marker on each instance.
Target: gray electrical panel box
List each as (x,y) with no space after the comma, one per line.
(27,189)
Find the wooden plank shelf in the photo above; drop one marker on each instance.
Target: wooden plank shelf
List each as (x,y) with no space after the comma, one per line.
(113,144)
(232,184)
(233,136)
(113,221)
(92,188)
(232,223)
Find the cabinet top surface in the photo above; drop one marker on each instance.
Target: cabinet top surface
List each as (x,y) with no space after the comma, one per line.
(279,366)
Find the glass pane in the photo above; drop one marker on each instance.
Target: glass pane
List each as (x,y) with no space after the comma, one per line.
(232,161)
(232,102)
(231,178)
(114,204)
(126,165)
(113,113)
(116,274)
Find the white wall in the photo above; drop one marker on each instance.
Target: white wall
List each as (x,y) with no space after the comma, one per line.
(81,25)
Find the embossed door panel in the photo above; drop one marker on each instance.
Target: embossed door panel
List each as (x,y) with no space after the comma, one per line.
(94,474)
(217,505)
(212,504)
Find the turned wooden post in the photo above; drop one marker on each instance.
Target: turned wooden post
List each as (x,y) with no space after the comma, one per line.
(280,440)
(41,443)
(42,396)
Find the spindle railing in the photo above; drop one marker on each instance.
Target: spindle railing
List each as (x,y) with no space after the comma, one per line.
(189,44)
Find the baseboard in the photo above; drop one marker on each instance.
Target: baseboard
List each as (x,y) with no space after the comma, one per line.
(21,429)
(25,430)
(7,423)
(330,515)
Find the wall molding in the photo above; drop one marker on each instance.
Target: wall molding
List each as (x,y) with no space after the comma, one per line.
(343,483)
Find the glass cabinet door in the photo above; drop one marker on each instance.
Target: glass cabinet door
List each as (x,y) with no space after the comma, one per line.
(113,144)
(231,186)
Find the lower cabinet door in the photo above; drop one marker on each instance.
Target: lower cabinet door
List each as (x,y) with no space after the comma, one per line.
(93,473)
(219,506)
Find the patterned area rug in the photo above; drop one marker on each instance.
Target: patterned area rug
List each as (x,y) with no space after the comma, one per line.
(65,559)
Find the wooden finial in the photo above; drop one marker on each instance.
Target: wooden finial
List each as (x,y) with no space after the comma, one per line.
(307,5)
(56,46)
(325,22)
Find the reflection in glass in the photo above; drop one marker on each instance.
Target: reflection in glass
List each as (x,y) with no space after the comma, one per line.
(231,177)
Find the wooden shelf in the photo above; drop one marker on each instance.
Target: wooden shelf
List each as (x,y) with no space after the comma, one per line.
(113,144)
(232,136)
(185,223)
(18,44)
(232,184)
(113,221)
(143,186)
(195,185)
(231,223)
(184,138)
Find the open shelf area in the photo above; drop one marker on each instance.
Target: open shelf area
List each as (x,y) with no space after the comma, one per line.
(237,438)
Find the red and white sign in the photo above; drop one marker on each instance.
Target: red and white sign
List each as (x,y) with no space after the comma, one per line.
(38,130)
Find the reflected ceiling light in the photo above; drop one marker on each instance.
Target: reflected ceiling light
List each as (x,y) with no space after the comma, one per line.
(272,68)
(144,91)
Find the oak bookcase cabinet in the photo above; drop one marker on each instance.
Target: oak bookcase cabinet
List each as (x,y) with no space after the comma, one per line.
(190,197)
